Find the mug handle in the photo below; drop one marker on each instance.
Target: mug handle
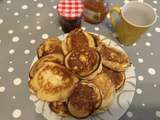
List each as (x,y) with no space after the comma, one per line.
(117,10)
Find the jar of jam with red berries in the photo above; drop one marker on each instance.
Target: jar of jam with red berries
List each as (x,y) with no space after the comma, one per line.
(95,11)
(70,14)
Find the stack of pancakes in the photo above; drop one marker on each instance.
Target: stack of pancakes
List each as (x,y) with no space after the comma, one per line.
(79,75)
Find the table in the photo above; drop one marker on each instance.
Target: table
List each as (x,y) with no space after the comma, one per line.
(23,25)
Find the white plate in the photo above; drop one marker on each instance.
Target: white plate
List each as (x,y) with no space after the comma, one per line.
(121,102)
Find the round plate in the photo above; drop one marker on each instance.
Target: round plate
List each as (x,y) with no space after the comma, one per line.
(121,101)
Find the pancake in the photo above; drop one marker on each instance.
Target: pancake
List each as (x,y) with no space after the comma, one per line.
(77,39)
(52,82)
(113,58)
(56,58)
(84,62)
(59,107)
(117,78)
(50,46)
(84,100)
(104,83)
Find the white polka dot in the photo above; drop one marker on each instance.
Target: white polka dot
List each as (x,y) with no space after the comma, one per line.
(96,28)
(55,6)
(8,1)
(10,31)
(158,114)
(129,114)
(105,4)
(45,36)
(10,62)
(139,91)
(15,39)
(60,28)
(27,15)
(83,28)
(33,98)
(148,44)
(14,97)
(140,60)
(51,22)
(18,21)
(32,41)
(16,113)
(143,105)
(134,44)
(2,89)
(17,81)
(141,78)
(38,14)
(16,14)
(40,5)
(38,28)
(26,51)
(1,21)
(0,77)
(125,1)
(10,69)
(157,29)
(50,14)
(154,85)
(0,41)
(26,27)
(155,2)
(26,62)
(149,34)
(11,51)
(152,53)
(137,53)
(35,0)
(24,7)
(151,71)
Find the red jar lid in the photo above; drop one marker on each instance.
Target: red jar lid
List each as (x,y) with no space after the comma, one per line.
(70,9)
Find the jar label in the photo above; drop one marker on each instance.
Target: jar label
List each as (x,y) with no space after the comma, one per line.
(92,15)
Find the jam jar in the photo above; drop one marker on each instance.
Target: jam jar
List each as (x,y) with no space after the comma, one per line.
(70,14)
(95,11)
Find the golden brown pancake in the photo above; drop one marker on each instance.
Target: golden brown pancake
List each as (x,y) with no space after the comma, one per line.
(104,83)
(84,100)
(113,58)
(50,46)
(84,62)
(117,78)
(59,107)
(56,58)
(52,82)
(77,39)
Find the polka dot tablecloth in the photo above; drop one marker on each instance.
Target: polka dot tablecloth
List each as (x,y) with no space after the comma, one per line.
(23,26)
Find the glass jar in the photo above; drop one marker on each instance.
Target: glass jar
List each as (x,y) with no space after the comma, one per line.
(95,11)
(70,14)
(68,25)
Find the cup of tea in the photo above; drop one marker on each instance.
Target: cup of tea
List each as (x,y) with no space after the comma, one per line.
(135,18)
